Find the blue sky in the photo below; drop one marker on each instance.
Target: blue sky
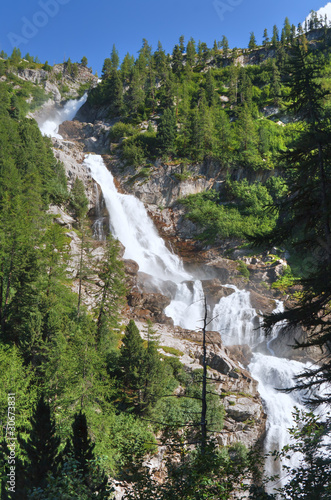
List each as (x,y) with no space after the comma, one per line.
(58,29)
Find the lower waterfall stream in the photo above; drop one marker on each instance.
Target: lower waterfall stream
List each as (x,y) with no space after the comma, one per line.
(235,319)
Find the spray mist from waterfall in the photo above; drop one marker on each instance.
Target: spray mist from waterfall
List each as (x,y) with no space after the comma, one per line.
(50,126)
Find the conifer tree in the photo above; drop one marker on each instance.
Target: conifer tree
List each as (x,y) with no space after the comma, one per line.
(132,354)
(182,44)
(106,68)
(252,42)
(126,67)
(160,59)
(190,53)
(266,39)
(287,30)
(84,61)
(225,46)
(81,449)
(114,57)
(276,84)
(111,292)
(275,36)
(167,132)
(177,58)
(40,451)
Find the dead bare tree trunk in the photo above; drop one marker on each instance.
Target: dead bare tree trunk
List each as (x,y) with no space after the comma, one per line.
(204,385)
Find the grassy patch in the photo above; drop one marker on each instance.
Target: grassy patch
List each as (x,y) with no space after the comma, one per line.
(172,350)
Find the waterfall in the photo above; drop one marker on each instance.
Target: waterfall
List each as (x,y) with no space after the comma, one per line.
(129,222)
(234,317)
(50,127)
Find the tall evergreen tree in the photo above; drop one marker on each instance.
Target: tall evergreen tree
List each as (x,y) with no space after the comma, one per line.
(275,36)
(225,46)
(190,53)
(252,42)
(40,451)
(287,30)
(132,354)
(81,449)
(167,132)
(177,60)
(114,57)
(266,39)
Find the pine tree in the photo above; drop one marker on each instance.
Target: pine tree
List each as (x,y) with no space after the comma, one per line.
(177,60)
(132,354)
(225,46)
(182,44)
(275,36)
(40,451)
(210,89)
(167,132)
(276,84)
(110,296)
(127,67)
(266,39)
(114,57)
(252,42)
(81,449)
(84,61)
(190,53)
(160,59)
(106,68)
(79,200)
(287,30)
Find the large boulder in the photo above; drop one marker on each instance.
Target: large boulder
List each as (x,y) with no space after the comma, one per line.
(214,291)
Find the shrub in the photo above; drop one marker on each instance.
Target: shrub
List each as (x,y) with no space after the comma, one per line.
(121,129)
(243,270)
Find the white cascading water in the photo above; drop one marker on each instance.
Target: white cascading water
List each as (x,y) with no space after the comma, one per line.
(131,224)
(234,316)
(50,126)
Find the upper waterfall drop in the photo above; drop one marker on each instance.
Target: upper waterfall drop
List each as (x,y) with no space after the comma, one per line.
(131,225)
(50,127)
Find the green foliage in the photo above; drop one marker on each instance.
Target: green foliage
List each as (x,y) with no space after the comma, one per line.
(310,478)
(40,450)
(243,212)
(120,130)
(172,350)
(243,270)
(78,198)
(213,473)
(166,132)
